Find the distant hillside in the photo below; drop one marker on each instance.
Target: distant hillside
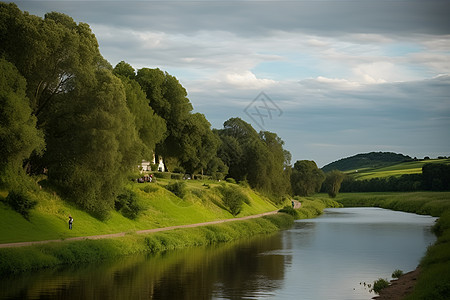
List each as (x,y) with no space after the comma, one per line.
(366,160)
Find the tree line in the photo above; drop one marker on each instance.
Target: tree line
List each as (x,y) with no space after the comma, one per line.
(65,111)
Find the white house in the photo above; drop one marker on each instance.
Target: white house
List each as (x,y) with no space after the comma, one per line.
(146,166)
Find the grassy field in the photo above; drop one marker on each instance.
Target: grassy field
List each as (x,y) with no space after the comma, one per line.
(410,167)
(161,208)
(434,279)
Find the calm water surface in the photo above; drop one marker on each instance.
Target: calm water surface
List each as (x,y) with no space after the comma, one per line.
(329,257)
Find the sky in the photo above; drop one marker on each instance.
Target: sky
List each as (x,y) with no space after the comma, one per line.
(333,78)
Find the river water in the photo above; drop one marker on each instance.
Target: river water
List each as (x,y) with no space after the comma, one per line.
(334,256)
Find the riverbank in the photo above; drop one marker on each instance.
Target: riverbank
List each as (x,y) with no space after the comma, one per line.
(21,259)
(433,281)
(131,237)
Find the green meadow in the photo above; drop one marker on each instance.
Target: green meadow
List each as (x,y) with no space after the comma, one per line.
(409,167)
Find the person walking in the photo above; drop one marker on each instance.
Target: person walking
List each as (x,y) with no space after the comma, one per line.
(70,221)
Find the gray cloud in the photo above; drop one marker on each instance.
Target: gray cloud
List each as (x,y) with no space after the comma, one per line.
(252,18)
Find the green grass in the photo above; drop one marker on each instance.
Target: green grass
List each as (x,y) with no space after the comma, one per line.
(434,279)
(410,167)
(161,208)
(16,260)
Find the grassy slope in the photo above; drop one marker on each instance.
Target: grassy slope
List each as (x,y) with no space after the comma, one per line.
(161,209)
(410,167)
(434,279)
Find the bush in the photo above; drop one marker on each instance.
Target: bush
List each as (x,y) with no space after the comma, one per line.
(176,176)
(231,180)
(233,198)
(380,284)
(397,274)
(20,202)
(164,175)
(289,210)
(178,188)
(127,204)
(217,176)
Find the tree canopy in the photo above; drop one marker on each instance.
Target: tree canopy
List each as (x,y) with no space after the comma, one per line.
(66,110)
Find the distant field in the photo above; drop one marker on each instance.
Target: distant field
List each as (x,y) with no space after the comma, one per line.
(410,167)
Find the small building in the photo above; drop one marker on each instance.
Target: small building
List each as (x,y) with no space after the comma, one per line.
(146,166)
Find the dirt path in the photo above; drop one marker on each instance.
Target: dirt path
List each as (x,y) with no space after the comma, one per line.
(113,235)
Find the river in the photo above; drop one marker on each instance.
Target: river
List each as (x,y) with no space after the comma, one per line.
(334,256)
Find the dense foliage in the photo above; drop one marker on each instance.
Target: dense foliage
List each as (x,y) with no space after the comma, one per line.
(306,178)
(66,112)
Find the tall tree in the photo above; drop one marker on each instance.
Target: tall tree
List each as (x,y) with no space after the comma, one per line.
(92,143)
(151,128)
(332,183)
(306,178)
(54,54)
(168,98)
(199,144)
(18,134)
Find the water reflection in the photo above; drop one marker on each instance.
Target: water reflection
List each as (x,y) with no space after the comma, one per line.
(322,258)
(228,271)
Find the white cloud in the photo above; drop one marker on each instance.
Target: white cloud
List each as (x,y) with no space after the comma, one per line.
(248,80)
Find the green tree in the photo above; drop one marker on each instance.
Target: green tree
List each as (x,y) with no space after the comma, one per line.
(199,144)
(168,98)
(306,178)
(150,127)
(19,136)
(93,144)
(54,54)
(332,182)
(258,158)
(124,69)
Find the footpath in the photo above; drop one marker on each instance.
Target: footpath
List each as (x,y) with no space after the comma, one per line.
(146,231)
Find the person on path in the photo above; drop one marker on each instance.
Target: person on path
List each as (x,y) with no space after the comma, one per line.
(70,221)
(293,203)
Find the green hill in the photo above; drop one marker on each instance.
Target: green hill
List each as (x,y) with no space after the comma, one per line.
(366,160)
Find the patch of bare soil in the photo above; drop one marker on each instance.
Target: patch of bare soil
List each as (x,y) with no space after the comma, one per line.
(399,288)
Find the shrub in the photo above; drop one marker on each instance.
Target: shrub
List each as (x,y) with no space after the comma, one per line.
(217,176)
(380,284)
(231,180)
(178,188)
(127,204)
(289,210)
(20,202)
(233,198)
(397,274)
(164,175)
(176,176)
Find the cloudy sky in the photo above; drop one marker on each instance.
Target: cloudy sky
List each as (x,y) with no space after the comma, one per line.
(332,78)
